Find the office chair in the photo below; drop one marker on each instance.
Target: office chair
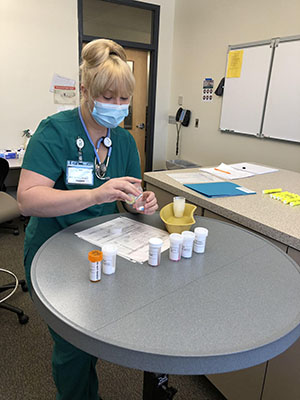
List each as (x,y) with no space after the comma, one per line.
(8,211)
(23,318)
(8,205)
(4,168)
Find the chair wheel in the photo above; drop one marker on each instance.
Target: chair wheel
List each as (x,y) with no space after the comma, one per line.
(23,319)
(16,232)
(23,286)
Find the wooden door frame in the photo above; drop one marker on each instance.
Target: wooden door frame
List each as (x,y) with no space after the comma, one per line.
(153,50)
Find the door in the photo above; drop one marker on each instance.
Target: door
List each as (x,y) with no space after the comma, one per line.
(135,26)
(135,123)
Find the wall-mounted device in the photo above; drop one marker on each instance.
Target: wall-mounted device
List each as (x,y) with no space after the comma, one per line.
(183,116)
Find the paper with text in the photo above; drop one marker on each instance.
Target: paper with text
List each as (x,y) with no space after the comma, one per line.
(227,172)
(131,242)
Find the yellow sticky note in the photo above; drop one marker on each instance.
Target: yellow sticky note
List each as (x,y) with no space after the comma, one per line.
(235,61)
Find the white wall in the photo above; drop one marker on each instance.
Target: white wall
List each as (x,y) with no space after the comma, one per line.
(163,90)
(37,38)
(202,32)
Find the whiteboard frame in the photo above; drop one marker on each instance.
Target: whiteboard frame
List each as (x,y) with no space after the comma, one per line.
(275,115)
(273,43)
(235,106)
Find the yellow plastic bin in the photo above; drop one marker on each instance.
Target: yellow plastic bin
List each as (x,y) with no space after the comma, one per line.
(178,225)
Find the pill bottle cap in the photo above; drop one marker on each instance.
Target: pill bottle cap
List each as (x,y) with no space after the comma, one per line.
(132,199)
(201,231)
(175,237)
(109,250)
(157,242)
(188,235)
(95,255)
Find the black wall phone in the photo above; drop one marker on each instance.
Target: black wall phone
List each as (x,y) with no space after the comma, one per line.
(183,116)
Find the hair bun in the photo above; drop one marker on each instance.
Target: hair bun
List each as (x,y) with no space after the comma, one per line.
(104,67)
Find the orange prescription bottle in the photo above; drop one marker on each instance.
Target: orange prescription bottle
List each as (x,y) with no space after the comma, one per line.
(95,259)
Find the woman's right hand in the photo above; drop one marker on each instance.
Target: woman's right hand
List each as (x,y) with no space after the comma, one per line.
(116,189)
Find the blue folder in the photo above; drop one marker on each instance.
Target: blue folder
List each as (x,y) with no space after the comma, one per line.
(219,189)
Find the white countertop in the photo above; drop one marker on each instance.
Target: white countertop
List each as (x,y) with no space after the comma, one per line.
(15,163)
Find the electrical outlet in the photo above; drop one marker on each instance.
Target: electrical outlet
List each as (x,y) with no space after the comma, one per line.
(197,123)
(172,119)
(180,100)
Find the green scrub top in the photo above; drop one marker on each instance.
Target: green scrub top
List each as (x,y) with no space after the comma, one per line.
(52,145)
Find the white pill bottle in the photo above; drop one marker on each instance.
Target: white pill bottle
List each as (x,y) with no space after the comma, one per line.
(175,246)
(155,245)
(187,244)
(200,239)
(109,259)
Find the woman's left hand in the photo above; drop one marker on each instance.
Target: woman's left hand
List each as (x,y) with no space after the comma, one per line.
(150,203)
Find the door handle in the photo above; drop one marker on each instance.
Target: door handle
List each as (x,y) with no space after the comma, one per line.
(141,126)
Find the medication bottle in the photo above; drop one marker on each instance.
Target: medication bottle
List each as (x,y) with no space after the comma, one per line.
(109,259)
(155,245)
(200,239)
(175,246)
(95,258)
(187,244)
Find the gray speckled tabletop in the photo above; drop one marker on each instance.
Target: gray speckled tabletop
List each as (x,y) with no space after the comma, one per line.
(258,212)
(234,306)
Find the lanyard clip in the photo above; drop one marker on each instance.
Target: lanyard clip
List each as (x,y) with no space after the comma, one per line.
(80,145)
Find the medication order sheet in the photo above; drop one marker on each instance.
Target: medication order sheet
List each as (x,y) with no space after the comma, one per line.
(130,237)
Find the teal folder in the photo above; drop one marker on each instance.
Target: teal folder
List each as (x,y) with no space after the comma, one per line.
(219,189)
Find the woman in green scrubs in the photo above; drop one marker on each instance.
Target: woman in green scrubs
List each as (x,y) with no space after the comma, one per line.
(77,165)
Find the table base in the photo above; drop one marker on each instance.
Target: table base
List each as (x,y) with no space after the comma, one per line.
(156,387)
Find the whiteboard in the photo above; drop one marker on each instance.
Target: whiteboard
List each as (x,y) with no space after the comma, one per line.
(244,97)
(282,116)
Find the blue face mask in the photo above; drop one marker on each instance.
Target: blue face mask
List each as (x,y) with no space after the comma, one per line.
(109,115)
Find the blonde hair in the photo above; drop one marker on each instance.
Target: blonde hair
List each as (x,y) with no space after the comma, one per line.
(104,68)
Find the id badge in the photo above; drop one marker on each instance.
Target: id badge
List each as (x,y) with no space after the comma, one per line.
(80,173)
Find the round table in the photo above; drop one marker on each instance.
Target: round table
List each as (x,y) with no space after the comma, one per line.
(235,306)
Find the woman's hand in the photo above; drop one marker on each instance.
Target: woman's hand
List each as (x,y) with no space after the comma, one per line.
(150,203)
(116,189)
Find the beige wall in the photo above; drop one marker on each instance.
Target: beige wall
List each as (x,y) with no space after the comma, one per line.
(202,32)
(40,38)
(37,38)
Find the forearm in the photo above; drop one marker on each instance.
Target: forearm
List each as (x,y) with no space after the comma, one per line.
(42,201)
